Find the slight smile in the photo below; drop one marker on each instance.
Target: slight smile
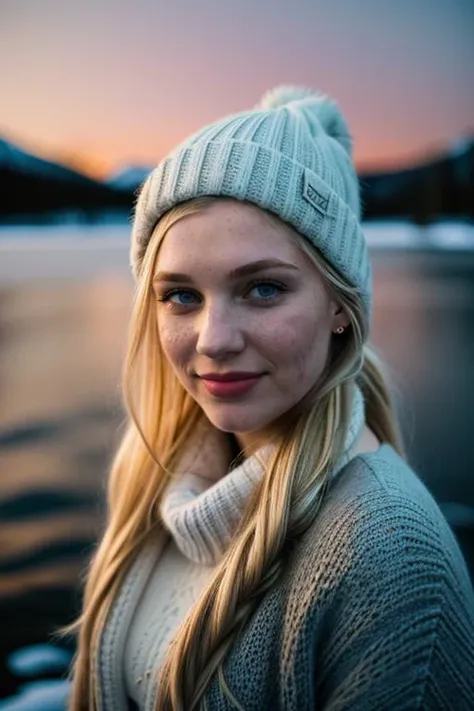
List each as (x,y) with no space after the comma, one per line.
(230,385)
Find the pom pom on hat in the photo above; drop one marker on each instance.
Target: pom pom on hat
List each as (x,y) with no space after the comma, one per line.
(323,108)
(284,95)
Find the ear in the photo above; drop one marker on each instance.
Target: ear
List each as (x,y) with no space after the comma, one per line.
(339,316)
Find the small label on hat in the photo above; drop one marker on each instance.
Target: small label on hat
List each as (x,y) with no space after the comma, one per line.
(316,192)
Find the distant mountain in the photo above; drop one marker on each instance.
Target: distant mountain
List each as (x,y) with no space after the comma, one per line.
(441,186)
(31,187)
(129,178)
(17,160)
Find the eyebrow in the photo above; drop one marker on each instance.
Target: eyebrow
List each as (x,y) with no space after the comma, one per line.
(244,271)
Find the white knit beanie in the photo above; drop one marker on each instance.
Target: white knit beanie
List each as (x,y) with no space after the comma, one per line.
(291,155)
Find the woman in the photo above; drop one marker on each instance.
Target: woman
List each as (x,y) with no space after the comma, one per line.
(267,546)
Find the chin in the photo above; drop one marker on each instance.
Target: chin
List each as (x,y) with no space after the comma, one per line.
(228,420)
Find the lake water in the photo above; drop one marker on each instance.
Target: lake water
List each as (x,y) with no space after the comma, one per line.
(64,307)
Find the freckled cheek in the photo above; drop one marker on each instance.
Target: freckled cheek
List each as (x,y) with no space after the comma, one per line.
(296,344)
(176,344)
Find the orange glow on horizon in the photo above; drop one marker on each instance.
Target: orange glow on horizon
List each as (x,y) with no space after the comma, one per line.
(101,164)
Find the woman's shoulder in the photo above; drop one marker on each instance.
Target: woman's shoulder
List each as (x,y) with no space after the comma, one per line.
(379,519)
(379,591)
(382,471)
(380,488)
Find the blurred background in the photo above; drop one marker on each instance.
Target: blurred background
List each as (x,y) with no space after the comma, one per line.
(93,95)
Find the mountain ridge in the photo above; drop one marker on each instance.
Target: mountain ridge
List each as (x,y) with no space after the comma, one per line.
(36,188)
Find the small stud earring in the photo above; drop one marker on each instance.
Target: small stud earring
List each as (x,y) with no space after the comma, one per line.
(339,329)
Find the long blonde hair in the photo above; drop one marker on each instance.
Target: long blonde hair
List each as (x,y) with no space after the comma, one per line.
(160,417)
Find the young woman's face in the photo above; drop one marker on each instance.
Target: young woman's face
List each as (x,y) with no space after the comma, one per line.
(243,316)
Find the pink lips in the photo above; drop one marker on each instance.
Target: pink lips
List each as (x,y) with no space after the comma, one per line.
(230,385)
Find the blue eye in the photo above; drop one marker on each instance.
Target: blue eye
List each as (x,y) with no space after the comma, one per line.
(266,291)
(262,292)
(180,297)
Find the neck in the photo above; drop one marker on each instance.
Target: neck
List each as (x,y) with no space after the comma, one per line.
(249,442)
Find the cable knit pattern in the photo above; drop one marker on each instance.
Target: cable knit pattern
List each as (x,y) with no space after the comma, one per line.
(202,517)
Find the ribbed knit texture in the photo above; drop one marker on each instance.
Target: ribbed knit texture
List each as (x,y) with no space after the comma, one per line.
(291,156)
(202,517)
(375,611)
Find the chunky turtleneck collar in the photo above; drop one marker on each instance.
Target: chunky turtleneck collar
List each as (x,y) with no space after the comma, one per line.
(202,515)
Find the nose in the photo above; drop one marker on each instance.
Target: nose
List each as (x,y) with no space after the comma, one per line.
(219,333)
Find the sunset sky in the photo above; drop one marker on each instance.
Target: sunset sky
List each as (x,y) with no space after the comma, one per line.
(101,84)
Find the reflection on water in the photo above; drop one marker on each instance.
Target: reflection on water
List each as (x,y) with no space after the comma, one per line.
(61,346)
(423,325)
(60,353)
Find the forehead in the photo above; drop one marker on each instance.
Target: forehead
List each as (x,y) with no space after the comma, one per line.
(227,232)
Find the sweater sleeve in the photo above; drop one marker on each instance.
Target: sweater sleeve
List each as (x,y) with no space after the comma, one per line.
(400,636)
